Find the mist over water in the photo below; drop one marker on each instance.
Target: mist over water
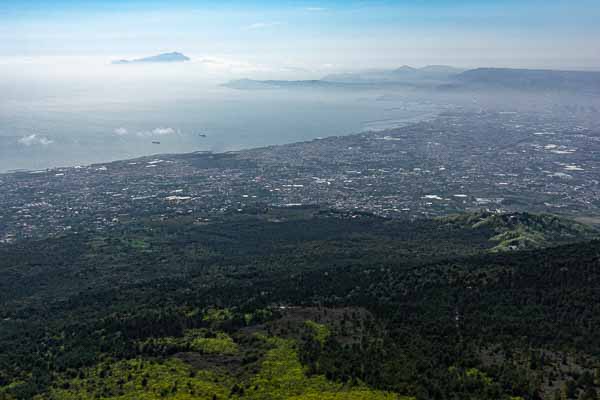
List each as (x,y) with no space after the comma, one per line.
(79,113)
(73,111)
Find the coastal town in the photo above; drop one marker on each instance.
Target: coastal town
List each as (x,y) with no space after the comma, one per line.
(459,161)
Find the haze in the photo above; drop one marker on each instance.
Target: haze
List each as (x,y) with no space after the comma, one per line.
(64,103)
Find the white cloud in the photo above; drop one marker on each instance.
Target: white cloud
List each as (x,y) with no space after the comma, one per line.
(157,132)
(262,25)
(315,9)
(219,64)
(163,131)
(33,139)
(120,132)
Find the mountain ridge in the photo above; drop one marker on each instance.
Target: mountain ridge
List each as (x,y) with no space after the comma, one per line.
(159,58)
(440,77)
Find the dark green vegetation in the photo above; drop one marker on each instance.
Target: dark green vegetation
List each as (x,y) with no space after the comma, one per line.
(519,231)
(305,304)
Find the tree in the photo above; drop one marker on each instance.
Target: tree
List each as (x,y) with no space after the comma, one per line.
(557,395)
(589,394)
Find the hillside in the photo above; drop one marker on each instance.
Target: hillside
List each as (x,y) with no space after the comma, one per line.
(320,304)
(520,231)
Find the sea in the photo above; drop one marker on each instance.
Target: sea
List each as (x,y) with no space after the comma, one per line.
(55,118)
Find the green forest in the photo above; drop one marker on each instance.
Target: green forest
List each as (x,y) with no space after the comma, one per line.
(305,303)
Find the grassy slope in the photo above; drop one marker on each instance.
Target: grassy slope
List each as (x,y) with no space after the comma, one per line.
(520,231)
(281,376)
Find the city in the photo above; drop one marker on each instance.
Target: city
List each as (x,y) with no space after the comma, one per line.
(460,161)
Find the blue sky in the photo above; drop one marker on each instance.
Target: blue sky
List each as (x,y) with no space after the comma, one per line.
(313,34)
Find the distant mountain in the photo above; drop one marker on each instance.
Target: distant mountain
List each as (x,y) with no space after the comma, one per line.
(529,79)
(432,73)
(251,84)
(405,69)
(442,77)
(441,70)
(400,78)
(161,58)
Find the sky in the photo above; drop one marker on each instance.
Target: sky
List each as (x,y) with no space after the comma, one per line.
(317,35)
